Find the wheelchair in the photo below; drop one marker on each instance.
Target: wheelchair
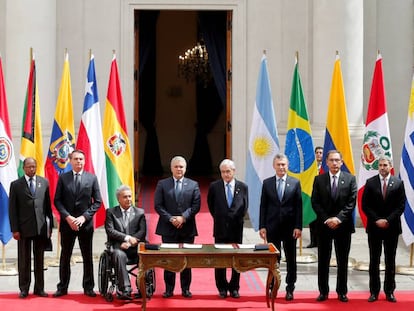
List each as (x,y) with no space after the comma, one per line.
(107,278)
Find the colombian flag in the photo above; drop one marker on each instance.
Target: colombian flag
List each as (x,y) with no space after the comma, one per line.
(299,146)
(32,142)
(62,140)
(337,133)
(119,165)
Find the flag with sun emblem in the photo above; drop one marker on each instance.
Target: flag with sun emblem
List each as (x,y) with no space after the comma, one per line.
(62,139)
(119,164)
(263,143)
(299,146)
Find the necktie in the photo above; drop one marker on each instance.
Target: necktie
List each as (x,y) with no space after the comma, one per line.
(32,186)
(77,182)
(229,195)
(280,188)
(384,187)
(334,187)
(177,189)
(126,222)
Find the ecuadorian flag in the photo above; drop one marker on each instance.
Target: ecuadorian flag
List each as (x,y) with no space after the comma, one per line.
(299,146)
(337,133)
(119,165)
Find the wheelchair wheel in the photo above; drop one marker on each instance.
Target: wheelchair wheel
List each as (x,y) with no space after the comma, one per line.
(103,274)
(150,282)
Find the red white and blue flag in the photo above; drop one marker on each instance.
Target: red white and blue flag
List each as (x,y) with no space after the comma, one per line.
(90,139)
(8,169)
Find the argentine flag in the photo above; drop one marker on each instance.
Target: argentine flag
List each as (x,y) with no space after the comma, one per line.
(263,143)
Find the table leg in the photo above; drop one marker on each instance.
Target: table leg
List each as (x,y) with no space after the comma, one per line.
(140,282)
(273,276)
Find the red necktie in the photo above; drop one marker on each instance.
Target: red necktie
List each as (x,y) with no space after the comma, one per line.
(384,187)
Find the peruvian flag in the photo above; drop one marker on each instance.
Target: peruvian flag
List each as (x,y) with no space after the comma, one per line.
(377,139)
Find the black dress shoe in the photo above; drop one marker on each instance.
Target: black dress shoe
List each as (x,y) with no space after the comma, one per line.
(186,293)
(138,295)
(289,296)
(41,293)
(390,298)
(124,295)
(342,298)
(222,293)
(89,293)
(373,298)
(235,294)
(23,294)
(167,294)
(311,245)
(60,292)
(322,297)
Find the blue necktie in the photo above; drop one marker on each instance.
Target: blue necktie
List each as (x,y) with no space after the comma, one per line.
(177,189)
(32,186)
(280,188)
(229,195)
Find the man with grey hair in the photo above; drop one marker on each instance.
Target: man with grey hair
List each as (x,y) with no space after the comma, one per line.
(383,202)
(281,216)
(125,227)
(227,201)
(177,201)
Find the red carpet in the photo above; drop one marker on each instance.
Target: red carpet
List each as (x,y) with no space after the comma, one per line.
(203,279)
(303,301)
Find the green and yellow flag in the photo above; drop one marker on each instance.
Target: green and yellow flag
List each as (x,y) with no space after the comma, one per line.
(299,146)
(31,142)
(119,165)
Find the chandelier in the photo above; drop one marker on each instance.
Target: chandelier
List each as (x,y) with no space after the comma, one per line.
(194,65)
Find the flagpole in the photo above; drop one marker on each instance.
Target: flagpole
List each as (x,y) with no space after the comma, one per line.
(6,269)
(407,270)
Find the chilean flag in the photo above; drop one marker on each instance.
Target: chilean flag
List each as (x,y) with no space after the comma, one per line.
(90,133)
(377,138)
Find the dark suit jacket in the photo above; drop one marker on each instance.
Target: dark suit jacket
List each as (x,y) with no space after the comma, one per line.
(280,218)
(166,206)
(344,204)
(28,212)
(115,229)
(376,207)
(85,203)
(228,222)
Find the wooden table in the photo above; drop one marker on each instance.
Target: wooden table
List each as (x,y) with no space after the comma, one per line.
(241,259)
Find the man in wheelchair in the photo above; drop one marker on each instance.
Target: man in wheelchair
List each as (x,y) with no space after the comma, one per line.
(125,227)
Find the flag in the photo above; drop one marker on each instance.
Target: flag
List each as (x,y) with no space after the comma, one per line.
(299,146)
(263,143)
(32,141)
(90,133)
(8,170)
(407,173)
(336,132)
(377,138)
(119,165)
(62,139)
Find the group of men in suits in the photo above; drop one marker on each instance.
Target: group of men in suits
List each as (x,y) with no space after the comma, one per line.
(177,201)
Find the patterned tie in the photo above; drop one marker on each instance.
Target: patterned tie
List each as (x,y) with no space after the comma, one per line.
(334,187)
(280,188)
(384,187)
(32,186)
(229,195)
